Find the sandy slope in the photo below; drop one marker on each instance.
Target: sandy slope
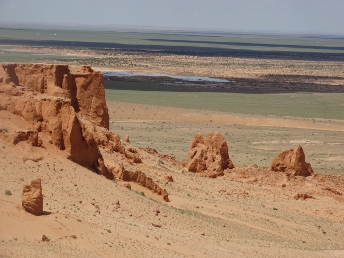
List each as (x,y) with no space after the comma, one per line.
(239,217)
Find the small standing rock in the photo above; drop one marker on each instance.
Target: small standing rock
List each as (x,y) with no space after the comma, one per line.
(292,162)
(127,185)
(32,198)
(168,178)
(126,138)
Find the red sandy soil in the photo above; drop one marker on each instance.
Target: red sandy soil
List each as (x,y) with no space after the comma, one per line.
(248,212)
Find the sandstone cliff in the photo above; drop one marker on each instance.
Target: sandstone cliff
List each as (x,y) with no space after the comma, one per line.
(82,86)
(67,104)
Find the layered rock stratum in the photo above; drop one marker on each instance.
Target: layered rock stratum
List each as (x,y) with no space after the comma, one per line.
(67,105)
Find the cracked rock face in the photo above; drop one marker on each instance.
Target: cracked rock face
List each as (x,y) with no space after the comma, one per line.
(66,105)
(32,198)
(208,156)
(82,86)
(64,102)
(292,162)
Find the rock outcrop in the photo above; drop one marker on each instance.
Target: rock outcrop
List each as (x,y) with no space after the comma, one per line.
(111,143)
(208,156)
(168,179)
(81,85)
(67,105)
(126,138)
(57,118)
(292,162)
(19,136)
(140,178)
(303,196)
(64,102)
(32,199)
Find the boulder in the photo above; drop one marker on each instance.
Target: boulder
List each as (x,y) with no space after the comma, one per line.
(32,199)
(126,138)
(209,155)
(168,178)
(302,196)
(127,185)
(292,162)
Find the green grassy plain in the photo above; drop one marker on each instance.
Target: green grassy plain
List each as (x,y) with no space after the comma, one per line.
(29,57)
(306,105)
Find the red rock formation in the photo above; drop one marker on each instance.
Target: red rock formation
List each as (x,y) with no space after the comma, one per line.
(168,178)
(81,85)
(64,102)
(302,196)
(103,170)
(126,138)
(111,142)
(57,118)
(32,199)
(209,155)
(127,185)
(19,136)
(68,104)
(140,178)
(292,162)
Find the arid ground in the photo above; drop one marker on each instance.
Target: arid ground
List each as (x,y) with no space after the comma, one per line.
(249,212)
(230,216)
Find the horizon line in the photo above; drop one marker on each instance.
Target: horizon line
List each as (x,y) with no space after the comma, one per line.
(76,26)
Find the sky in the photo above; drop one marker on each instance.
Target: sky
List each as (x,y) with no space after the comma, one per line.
(279,16)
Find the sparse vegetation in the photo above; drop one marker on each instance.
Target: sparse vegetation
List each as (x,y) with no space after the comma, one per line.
(8,192)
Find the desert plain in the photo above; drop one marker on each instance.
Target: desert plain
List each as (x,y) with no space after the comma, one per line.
(269,105)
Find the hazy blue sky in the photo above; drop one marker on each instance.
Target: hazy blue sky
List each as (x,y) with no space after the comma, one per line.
(304,16)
